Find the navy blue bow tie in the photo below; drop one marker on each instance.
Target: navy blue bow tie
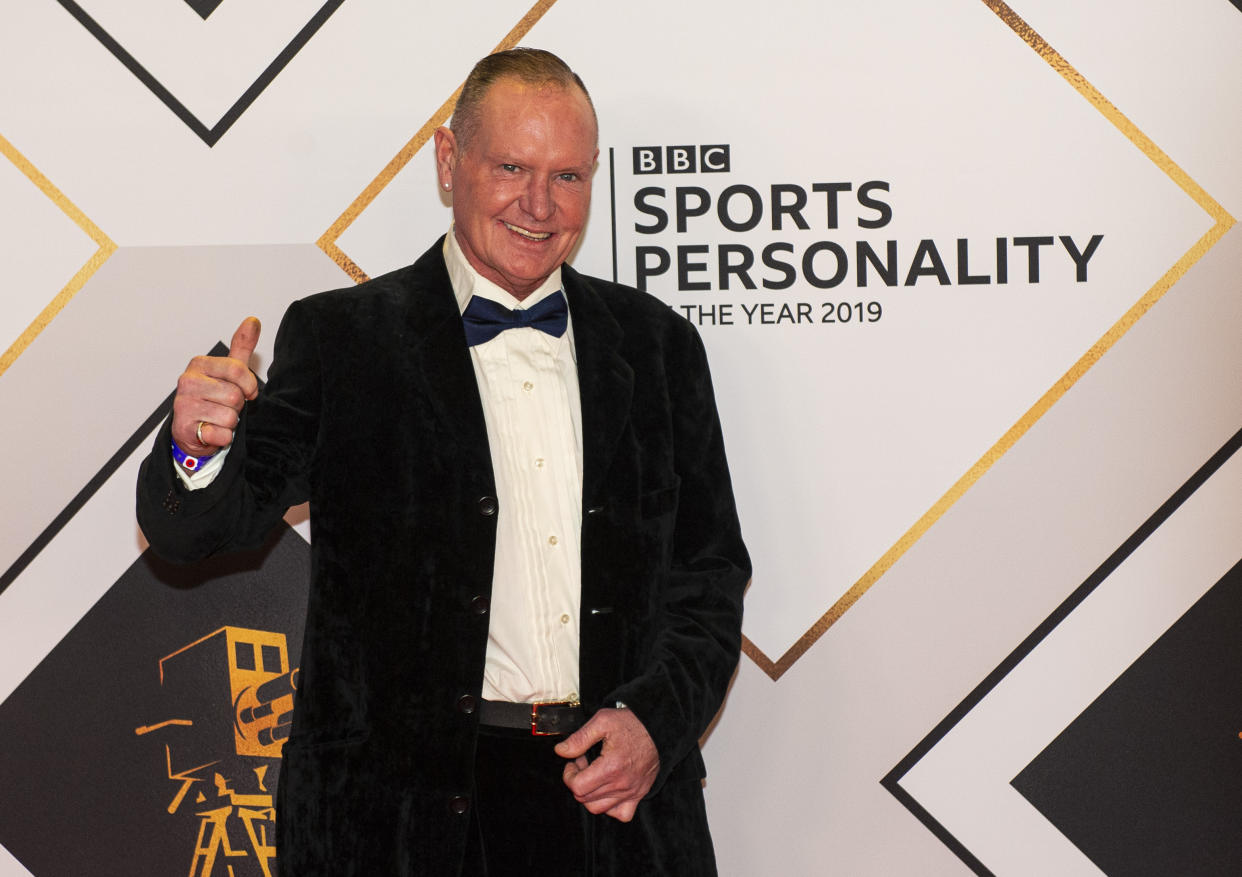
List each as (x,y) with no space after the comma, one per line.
(484,319)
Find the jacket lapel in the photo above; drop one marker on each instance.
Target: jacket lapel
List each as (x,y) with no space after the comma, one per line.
(605,382)
(440,359)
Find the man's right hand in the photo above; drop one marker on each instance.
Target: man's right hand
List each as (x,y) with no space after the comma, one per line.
(211,392)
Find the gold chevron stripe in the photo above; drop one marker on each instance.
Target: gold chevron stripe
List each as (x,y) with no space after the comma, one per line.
(327,242)
(82,221)
(1224,221)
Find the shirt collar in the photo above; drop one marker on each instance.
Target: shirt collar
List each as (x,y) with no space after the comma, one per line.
(468,282)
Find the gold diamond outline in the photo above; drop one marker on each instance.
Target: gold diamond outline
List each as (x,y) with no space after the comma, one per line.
(327,241)
(75,284)
(1223,222)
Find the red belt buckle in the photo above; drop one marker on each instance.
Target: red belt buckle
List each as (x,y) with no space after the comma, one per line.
(548,726)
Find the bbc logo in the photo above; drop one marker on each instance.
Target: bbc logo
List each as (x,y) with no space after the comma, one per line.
(681,159)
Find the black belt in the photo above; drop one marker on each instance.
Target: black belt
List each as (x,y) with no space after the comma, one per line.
(556,717)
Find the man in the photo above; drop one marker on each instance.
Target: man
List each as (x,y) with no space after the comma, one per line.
(511,504)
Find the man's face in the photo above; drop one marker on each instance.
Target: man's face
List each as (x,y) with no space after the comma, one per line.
(522,185)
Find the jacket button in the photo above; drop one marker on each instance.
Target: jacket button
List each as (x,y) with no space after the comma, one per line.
(487,505)
(480,604)
(466,704)
(458,804)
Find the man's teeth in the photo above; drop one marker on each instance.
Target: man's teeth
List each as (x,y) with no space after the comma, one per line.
(530,235)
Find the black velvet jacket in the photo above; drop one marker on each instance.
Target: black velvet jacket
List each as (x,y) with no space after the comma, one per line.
(372,412)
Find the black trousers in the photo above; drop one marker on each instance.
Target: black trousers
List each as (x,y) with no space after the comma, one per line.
(523,820)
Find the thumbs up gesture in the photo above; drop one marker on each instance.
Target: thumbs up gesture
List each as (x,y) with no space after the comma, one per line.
(211,393)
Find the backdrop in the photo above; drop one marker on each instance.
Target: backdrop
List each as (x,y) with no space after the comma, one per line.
(968,277)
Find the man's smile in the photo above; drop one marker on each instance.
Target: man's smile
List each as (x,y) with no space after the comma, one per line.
(526,233)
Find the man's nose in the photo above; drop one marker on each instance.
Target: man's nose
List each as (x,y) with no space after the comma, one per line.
(537,200)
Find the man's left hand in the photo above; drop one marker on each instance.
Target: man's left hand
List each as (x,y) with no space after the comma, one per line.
(621,776)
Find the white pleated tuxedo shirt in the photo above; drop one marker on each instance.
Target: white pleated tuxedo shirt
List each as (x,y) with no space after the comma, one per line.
(528,383)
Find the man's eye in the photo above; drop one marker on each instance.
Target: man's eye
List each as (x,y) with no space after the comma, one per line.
(509,168)
(569,177)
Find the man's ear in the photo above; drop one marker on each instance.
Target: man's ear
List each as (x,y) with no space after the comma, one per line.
(446,156)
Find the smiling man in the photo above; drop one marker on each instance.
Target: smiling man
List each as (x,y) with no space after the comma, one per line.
(527,568)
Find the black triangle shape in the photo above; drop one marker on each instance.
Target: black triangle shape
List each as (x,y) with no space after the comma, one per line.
(204,8)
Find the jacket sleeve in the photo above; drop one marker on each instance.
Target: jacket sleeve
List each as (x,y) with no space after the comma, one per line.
(698,630)
(266,469)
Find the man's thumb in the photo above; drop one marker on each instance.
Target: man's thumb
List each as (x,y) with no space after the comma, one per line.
(576,743)
(245,339)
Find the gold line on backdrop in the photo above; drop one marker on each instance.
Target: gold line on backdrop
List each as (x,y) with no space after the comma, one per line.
(327,242)
(1224,221)
(70,289)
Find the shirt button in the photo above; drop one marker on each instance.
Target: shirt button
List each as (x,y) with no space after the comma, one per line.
(552,540)
(539,462)
(565,619)
(527,386)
